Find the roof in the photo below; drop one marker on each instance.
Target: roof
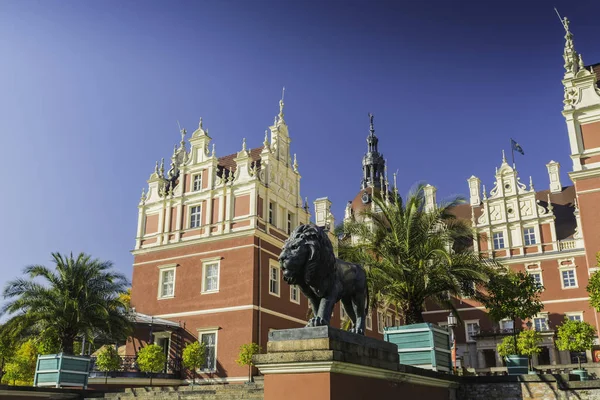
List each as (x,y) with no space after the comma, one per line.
(228,163)
(596,68)
(140,318)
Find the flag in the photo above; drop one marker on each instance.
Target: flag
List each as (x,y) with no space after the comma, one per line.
(516,146)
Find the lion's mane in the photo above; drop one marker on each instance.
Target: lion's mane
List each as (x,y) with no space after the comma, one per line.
(321,263)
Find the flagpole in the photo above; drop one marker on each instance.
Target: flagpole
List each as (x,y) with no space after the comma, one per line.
(512,152)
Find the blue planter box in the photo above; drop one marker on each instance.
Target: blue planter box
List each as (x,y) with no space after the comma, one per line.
(517,365)
(423,345)
(59,370)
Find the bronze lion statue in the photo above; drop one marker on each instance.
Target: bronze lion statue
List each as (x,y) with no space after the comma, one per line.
(307,260)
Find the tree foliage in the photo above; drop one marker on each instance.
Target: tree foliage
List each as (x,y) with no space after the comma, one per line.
(245,356)
(576,336)
(412,255)
(151,358)
(512,295)
(20,370)
(194,356)
(528,342)
(108,359)
(507,347)
(593,287)
(79,297)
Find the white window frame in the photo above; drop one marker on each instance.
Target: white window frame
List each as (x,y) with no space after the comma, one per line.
(380,321)
(575,314)
(562,279)
(272,213)
(505,321)
(537,271)
(273,265)
(543,316)
(369,321)
(205,264)
(197,178)
(533,234)
(161,270)
(388,320)
(208,331)
(494,240)
(192,214)
(467,336)
(293,289)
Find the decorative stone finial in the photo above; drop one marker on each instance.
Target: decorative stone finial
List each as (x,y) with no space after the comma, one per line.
(183,133)
(371,127)
(550,206)
(306,204)
(530,183)
(156,168)
(484,193)
(281,104)
(266,141)
(244,144)
(295,163)
(503,157)
(143,198)
(200,124)
(162,168)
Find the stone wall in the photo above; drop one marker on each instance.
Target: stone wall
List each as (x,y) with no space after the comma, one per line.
(546,387)
(196,392)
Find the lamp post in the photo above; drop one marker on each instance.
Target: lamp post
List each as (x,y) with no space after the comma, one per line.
(451,325)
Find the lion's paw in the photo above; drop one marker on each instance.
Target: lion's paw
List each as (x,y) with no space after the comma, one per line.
(316,321)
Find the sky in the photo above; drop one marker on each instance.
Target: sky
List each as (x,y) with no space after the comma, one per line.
(91,93)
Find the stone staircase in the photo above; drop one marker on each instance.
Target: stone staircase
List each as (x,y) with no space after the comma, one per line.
(197,392)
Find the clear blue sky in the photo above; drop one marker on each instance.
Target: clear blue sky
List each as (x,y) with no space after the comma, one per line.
(90,93)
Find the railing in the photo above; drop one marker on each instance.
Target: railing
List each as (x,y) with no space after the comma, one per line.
(130,369)
(567,244)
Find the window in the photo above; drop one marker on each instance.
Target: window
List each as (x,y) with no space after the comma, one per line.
(197,185)
(271,213)
(166,281)
(380,322)
(388,320)
(529,236)
(289,223)
(274,280)
(369,321)
(568,278)
(574,316)
(195,213)
(294,294)
(537,276)
(498,240)
(507,325)
(540,324)
(210,274)
(396,321)
(210,341)
(471,330)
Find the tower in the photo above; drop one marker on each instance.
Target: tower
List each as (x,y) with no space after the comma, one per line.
(582,115)
(373,164)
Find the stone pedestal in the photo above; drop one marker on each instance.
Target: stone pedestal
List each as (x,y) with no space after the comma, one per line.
(325,363)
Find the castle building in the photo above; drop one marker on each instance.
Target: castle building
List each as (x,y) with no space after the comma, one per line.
(551,234)
(210,230)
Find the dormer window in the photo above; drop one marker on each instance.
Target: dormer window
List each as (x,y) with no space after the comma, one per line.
(197,183)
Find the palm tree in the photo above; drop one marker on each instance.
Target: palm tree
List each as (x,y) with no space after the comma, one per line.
(80,297)
(414,256)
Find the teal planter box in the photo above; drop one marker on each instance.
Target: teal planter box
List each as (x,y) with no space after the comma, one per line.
(583,374)
(59,370)
(517,365)
(423,345)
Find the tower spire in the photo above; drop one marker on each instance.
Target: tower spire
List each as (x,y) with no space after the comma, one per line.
(373,163)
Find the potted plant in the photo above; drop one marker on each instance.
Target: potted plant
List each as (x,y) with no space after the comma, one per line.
(528,345)
(151,359)
(108,360)
(194,357)
(576,336)
(245,357)
(513,295)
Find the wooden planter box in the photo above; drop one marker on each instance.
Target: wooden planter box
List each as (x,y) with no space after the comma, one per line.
(517,365)
(423,345)
(60,370)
